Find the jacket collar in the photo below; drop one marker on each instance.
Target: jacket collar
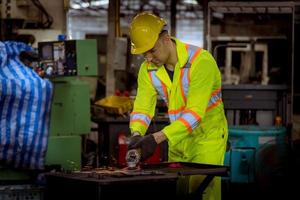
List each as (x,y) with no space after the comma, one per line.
(161,72)
(182,52)
(182,55)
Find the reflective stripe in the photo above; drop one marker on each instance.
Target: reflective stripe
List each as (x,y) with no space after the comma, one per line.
(175,111)
(190,119)
(174,117)
(142,118)
(215,99)
(185,81)
(159,86)
(196,53)
(139,121)
(175,114)
(186,124)
(195,115)
(193,52)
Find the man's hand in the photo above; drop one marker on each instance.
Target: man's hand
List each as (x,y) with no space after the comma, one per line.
(159,137)
(133,140)
(147,144)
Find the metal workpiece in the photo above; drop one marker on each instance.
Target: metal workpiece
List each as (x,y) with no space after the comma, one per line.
(133,157)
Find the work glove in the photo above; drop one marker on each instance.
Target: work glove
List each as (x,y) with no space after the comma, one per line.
(133,140)
(147,144)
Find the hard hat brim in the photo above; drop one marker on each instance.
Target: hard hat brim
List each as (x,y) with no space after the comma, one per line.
(145,48)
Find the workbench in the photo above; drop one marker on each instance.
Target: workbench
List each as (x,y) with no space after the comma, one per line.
(150,182)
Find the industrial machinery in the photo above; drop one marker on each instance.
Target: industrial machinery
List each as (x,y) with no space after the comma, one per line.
(64,62)
(253,45)
(132,158)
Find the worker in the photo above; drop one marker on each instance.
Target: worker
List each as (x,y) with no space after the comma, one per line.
(187,78)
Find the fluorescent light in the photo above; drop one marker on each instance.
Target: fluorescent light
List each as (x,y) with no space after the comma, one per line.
(85,4)
(190,2)
(100,3)
(75,6)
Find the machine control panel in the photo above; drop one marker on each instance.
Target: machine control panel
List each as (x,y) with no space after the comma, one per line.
(58,58)
(68,58)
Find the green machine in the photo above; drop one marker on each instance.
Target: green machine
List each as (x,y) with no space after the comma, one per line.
(65,62)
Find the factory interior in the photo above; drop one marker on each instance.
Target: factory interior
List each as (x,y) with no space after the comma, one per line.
(69,104)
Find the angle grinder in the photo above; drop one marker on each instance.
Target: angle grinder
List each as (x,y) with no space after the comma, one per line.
(132,158)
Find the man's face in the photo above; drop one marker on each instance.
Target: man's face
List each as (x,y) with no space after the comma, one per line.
(158,55)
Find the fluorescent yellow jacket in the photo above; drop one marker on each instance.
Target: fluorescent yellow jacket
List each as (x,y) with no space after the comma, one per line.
(194,97)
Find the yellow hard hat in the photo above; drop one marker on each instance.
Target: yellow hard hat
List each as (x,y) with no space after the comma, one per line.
(144,31)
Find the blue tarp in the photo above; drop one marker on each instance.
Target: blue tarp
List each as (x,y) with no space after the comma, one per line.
(25,102)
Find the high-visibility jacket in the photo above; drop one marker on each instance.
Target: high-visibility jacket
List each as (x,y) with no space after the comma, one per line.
(198,129)
(193,98)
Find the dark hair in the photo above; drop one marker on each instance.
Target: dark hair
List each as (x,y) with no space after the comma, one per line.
(163,33)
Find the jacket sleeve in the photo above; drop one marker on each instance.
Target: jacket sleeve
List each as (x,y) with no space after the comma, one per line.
(144,104)
(203,76)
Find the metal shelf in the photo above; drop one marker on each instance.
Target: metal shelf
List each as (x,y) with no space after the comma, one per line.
(255,87)
(246,38)
(252,7)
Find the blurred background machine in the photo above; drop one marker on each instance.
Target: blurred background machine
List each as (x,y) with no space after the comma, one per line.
(32,21)
(64,62)
(253,45)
